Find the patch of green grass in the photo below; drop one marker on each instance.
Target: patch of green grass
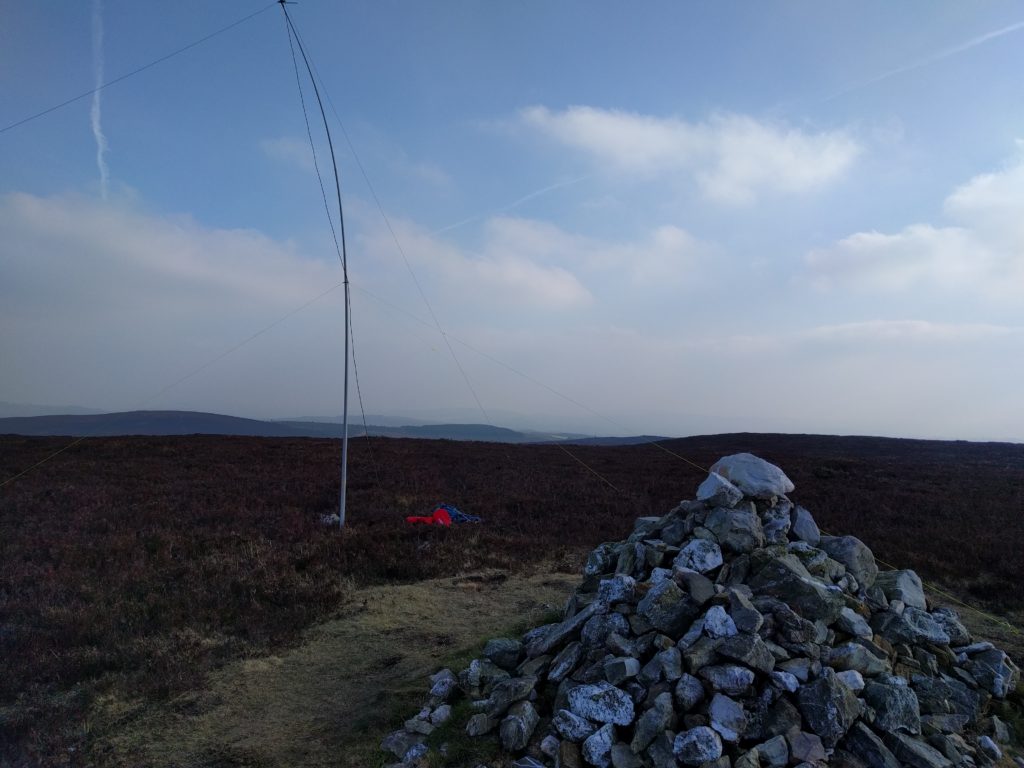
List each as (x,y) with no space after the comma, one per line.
(459,748)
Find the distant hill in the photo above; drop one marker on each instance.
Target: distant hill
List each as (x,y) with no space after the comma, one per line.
(197,423)
(631,440)
(8,410)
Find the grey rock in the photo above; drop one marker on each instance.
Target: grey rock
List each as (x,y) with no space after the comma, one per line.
(601,559)
(945,695)
(752,475)
(854,554)
(503,651)
(700,555)
(700,654)
(865,744)
(549,745)
(716,491)
(775,522)
(623,757)
(556,634)
(632,557)
(994,672)
(565,662)
(787,580)
(535,667)
(507,692)
(441,715)
(803,527)
(697,585)
(517,728)
(697,746)
(727,717)
(480,677)
(668,608)
(990,748)
(688,692)
(805,748)
(419,725)
(749,759)
(652,722)
(856,657)
(799,668)
(775,751)
(946,724)
(597,749)
(748,649)
(896,707)
(785,681)
(949,620)
(746,617)
(571,726)
(602,703)
(479,724)
(620,669)
(999,730)
(914,752)
(618,589)
(728,678)
(735,530)
(671,662)
(595,632)
(660,752)
(925,628)
(852,623)
(902,585)
(829,707)
(569,756)
(718,623)
(399,743)
(442,684)
(852,679)
(660,574)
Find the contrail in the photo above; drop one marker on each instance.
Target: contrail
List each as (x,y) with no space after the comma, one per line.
(95,116)
(974,42)
(513,204)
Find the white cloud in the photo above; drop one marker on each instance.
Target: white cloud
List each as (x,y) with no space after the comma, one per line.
(909,332)
(981,252)
(734,158)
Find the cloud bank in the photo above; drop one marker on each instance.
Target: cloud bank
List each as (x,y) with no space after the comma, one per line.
(734,159)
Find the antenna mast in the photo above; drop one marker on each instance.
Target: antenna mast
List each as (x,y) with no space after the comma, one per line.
(343,254)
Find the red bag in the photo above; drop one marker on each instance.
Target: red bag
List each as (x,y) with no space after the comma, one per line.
(440,517)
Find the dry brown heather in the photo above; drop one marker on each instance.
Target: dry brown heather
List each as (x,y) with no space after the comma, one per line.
(137,565)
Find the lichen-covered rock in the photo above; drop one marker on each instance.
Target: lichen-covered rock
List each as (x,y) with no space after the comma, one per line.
(895,705)
(571,726)
(728,678)
(688,693)
(668,608)
(787,580)
(856,657)
(480,723)
(597,748)
(994,672)
(518,726)
(718,623)
(565,662)
(619,669)
(829,707)
(914,752)
(602,703)
(652,722)
(949,620)
(697,746)
(776,521)
(866,745)
(503,651)
(700,555)
(399,743)
(854,554)
(749,650)
(599,627)
(736,530)
(754,476)
(805,748)
(442,684)
(618,589)
(716,491)
(507,692)
(852,623)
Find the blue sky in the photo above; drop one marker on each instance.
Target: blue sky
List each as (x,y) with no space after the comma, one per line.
(689,217)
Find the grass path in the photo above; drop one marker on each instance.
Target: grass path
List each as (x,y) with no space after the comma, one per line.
(327,701)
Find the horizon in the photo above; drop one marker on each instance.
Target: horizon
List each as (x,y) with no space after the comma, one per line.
(681,220)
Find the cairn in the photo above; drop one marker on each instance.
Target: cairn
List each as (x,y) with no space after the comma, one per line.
(731,633)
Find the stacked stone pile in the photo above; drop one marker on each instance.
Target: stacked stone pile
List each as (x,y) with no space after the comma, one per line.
(731,634)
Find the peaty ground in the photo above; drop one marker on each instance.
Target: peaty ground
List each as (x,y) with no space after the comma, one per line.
(329,700)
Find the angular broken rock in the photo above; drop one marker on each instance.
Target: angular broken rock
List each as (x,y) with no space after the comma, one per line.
(652,722)
(862,742)
(902,585)
(786,579)
(854,554)
(518,726)
(754,476)
(727,717)
(700,555)
(994,672)
(803,527)
(718,623)
(895,705)
(697,746)
(829,707)
(729,678)
(571,726)
(736,530)
(602,703)
(668,608)
(504,652)
(915,753)
(716,491)
(598,747)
